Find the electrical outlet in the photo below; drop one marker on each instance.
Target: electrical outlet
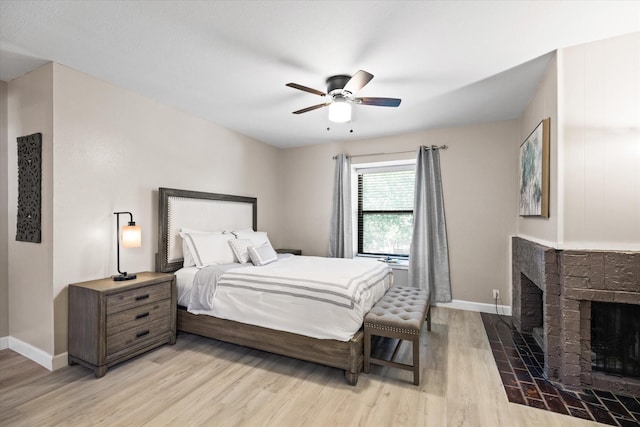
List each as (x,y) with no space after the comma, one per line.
(496,293)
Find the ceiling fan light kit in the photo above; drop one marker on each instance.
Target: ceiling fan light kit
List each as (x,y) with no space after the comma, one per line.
(340,90)
(340,112)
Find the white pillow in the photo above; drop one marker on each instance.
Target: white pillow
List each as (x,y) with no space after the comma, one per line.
(262,254)
(257,237)
(239,248)
(187,258)
(209,248)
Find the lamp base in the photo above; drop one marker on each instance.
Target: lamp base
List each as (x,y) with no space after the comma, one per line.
(123,277)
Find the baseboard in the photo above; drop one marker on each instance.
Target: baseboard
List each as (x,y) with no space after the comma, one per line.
(4,343)
(504,310)
(37,355)
(60,361)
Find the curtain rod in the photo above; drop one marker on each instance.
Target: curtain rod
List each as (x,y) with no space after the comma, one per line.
(433,147)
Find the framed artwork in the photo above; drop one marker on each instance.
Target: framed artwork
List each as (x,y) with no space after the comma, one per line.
(534,172)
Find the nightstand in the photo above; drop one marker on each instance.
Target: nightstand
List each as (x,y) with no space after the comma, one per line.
(110,322)
(289,251)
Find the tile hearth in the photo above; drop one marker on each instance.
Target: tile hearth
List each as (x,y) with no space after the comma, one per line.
(520,363)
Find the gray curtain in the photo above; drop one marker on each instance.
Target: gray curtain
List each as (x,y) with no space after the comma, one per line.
(429,252)
(340,235)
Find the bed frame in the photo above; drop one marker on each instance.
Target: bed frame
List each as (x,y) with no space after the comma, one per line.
(210,211)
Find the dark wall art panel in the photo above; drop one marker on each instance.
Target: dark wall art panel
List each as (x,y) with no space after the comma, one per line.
(29,188)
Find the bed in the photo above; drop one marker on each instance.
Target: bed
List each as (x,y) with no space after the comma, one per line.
(184,209)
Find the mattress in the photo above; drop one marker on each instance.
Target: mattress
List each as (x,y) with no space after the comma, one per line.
(324,298)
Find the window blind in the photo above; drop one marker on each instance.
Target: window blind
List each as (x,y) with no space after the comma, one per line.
(385,211)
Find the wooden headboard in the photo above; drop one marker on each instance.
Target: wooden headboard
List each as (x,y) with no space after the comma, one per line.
(197,210)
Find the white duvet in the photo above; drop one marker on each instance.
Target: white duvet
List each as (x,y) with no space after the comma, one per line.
(325,298)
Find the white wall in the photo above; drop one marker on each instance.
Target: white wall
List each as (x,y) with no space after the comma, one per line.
(107,150)
(479,172)
(4,242)
(591,92)
(544,104)
(30,110)
(600,87)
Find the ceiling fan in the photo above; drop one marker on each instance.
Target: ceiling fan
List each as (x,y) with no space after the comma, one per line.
(340,91)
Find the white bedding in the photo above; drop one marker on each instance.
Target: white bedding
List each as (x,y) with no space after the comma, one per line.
(325,298)
(184,281)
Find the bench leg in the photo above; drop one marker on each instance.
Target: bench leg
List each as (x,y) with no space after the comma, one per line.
(367,351)
(429,317)
(416,360)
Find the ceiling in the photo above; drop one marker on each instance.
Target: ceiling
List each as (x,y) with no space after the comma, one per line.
(452,63)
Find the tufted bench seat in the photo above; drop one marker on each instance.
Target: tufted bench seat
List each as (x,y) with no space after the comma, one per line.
(399,314)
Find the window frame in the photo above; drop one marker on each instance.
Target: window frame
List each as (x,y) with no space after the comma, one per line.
(358,171)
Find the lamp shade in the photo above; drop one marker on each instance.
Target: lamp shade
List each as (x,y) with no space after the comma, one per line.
(340,112)
(131,236)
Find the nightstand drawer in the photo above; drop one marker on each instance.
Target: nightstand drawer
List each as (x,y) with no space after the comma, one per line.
(137,335)
(138,297)
(137,316)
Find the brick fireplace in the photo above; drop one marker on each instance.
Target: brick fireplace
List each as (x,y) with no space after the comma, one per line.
(552,295)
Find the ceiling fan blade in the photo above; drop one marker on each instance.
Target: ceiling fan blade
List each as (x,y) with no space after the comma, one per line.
(306,89)
(380,102)
(358,81)
(314,107)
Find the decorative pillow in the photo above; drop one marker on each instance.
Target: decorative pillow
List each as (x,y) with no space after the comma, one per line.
(239,248)
(257,237)
(262,254)
(209,248)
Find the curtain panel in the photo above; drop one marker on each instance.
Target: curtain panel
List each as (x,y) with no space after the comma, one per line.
(341,230)
(429,252)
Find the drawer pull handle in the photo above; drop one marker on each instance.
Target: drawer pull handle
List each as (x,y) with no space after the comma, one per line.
(141,315)
(141,297)
(141,334)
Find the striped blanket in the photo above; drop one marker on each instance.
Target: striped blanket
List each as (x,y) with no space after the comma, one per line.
(324,298)
(337,281)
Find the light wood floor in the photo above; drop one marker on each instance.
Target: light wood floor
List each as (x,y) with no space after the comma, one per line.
(204,382)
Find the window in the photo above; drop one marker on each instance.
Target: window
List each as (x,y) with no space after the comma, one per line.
(385,210)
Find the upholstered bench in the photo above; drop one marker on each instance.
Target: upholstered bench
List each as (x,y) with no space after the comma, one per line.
(399,314)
